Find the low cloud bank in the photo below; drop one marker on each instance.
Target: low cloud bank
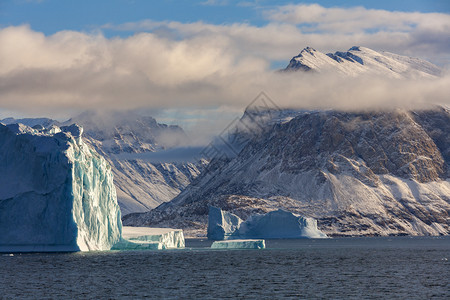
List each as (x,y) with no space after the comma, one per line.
(197,66)
(175,155)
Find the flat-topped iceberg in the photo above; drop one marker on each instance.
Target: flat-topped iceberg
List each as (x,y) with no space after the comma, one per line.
(124,244)
(239,244)
(273,225)
(56,193)
(139,238)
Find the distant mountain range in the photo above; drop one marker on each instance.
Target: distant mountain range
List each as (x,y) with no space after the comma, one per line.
(357,173)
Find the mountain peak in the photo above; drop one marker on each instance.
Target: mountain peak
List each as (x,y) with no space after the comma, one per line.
(355,48)
(308,50)
(361,60)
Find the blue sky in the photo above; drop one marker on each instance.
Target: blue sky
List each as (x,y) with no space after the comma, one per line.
(198,63)
(50,16)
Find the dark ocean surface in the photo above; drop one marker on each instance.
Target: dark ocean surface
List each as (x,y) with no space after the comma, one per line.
(339,268)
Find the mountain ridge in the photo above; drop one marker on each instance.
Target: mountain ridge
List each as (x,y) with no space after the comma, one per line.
(359,173)
(384,175)
(361,60)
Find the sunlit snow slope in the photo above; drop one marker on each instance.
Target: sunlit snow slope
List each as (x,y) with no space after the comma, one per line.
(361,60)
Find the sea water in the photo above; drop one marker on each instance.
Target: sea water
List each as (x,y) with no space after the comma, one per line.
(338,268)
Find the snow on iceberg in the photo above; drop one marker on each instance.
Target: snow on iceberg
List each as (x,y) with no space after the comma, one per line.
(273,225)
(239,244)
(56,193)
(138,238)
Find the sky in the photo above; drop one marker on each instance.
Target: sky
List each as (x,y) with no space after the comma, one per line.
(198,63)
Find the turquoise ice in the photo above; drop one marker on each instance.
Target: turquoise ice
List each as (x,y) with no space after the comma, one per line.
(272,225)
(239,244)
(56,193)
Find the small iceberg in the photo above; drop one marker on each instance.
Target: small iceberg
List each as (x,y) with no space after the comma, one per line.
(239,244)
(146,238)
(278,224)
(137,245)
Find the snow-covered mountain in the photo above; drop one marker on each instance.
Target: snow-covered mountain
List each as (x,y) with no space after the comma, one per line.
(31,122)
(361,60)
(128,132)
(141,185)
(368,173)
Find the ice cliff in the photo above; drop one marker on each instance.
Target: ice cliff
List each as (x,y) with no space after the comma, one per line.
(56,193)
(273,225)
(221,224)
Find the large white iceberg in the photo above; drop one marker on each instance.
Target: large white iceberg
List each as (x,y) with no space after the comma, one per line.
(140,238)
(56,193)
(276,224)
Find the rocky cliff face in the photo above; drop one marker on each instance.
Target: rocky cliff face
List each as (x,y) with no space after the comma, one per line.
(383,143)
(368,173)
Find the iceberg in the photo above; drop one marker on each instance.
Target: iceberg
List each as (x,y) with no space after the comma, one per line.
(221,224)
(239,244)
(124,244)
(56,193)
(278,224)
(138,238)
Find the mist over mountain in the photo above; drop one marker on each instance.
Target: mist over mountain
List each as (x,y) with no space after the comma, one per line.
(85,71)
(358,172)
(125,131)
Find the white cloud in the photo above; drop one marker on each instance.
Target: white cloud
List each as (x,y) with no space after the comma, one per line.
(356,19)
(198,65)
(411,33)
(293,27)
